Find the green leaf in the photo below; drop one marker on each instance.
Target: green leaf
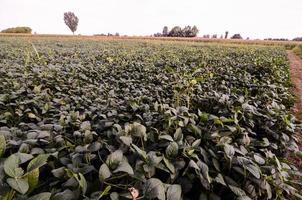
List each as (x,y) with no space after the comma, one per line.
(33,179)
(153,159)
(204,117)
(299,154)
(178,135)
(196,143)
(166,137)
(244,198)
(154,188)
(11,165)
(9,195)
(124,166)
(259,159)
(172,150)
(250,166)
(59,172)
(238,191)
(169,165)
(82,183)
(105,192)
(2,145)
(104,172)
(114,196)
(192,164)
(142,153)
(41,196)
(174,192)
(114,159)
(204,176)
(19,184)
(195,129)
(232,128)
(65,195)
(24,157)
(219,179)
(254,170)
(37,162)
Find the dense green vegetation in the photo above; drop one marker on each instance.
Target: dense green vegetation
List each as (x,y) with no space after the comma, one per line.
(88,120)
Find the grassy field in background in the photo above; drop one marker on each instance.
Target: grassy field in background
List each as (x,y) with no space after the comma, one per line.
(289,45)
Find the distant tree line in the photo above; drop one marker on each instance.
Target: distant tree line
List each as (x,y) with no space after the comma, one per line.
(108,34)
(297,39)
(225,36)
(236,36)
(20,29)
(177,31)
(277,39)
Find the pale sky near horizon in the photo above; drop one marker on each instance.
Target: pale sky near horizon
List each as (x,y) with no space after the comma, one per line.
(251,18)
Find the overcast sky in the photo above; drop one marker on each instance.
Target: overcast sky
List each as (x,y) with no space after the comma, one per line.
(251,18)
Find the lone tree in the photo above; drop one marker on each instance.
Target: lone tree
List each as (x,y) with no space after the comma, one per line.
(71,21)
(226,35)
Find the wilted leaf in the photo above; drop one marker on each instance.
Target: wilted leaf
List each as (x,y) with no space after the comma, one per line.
(85,126)
(137,130)
(31,115)
(127,140)
(229,151)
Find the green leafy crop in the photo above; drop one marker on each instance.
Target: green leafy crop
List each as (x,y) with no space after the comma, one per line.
(175,120)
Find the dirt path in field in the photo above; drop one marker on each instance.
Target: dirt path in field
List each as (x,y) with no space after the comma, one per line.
(296,75)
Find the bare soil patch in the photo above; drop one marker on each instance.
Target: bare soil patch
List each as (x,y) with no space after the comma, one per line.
(296,74)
